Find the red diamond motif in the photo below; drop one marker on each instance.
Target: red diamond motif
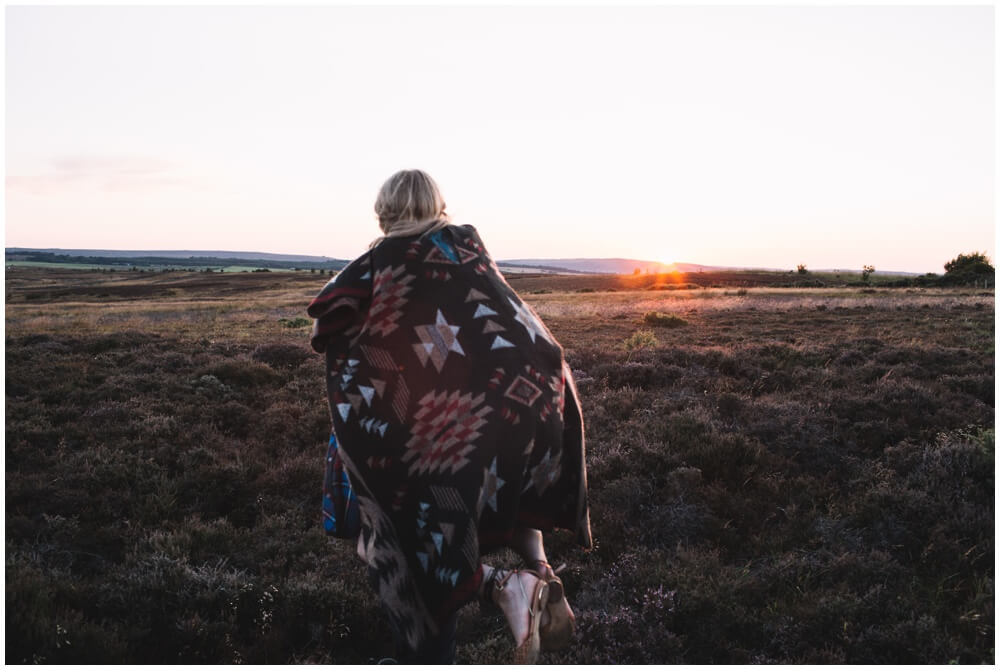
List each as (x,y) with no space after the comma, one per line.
(445,430)
(523,391)
(388,289)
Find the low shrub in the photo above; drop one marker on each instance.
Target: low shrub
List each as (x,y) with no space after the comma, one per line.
(640,339)
(674,286)
(281,355)
(637,375)
(664,320)
(241,373)
(297,322)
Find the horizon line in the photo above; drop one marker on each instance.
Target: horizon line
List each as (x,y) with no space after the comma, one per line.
(510,261)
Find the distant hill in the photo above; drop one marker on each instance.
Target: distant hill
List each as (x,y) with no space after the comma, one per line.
(170,259)
(589,265)
(196,258)
(184,254)
(612,266)
(214,257)
(622,266)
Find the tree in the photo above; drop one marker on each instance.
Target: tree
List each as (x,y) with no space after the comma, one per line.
(866,272)
(802,269)
(969,268)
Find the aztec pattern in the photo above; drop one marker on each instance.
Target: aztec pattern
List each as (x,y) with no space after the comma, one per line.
(337,492)
(456,416)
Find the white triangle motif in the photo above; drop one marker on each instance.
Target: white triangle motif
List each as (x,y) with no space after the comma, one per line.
(476,295)
(483,310)
(492,326)
(500,343)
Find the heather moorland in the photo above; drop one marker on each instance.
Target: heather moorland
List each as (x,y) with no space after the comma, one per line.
(777,475)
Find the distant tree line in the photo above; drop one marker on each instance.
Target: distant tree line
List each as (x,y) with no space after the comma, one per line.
(974,269)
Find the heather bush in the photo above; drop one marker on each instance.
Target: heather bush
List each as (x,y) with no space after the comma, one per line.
(241,373)
(297,322)
(279,355)
(637,375)
(664,320)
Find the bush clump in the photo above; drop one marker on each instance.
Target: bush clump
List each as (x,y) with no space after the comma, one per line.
(664,320)
(280,355)
(640,339)
(297,322)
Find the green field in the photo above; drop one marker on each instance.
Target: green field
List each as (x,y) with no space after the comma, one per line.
(57,266)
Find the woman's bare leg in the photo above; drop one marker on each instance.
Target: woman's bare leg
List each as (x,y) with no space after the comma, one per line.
(529,544)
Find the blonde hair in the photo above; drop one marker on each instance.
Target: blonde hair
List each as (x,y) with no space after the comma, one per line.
(410,203)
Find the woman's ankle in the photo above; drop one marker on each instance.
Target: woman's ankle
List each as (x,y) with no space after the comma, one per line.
(488,585)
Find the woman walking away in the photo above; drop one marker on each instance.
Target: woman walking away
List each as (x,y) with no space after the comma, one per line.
(456,420)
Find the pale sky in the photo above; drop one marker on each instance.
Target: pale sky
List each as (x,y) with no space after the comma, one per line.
(748,136)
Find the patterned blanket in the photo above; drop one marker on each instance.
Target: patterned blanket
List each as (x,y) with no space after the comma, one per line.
(456,414)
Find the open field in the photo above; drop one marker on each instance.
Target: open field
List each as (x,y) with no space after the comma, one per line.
(776,475)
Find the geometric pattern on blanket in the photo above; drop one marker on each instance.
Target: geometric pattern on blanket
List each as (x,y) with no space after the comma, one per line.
(456,415)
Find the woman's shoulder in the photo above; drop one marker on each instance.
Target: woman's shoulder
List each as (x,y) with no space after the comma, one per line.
(468,231)
(354,279)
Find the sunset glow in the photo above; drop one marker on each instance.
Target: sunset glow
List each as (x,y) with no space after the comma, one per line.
(740,136)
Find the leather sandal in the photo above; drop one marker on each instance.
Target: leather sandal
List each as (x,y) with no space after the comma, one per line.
(535,603)
(558,632)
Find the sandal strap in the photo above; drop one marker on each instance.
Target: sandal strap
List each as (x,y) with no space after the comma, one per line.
(491,585)
(498,585)
(546,567)
(524,593)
